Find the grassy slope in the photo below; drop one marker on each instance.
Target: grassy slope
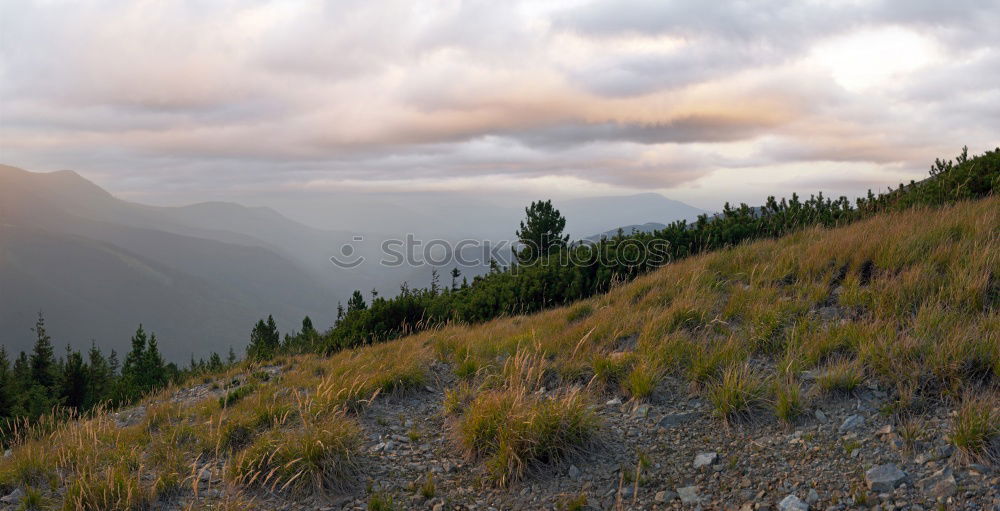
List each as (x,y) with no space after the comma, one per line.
(909,300)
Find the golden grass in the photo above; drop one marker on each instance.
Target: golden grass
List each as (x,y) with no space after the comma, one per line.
(910,301)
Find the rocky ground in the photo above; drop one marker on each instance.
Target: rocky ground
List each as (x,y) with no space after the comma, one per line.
(668,453)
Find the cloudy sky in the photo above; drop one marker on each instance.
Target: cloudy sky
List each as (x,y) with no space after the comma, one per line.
(703,101)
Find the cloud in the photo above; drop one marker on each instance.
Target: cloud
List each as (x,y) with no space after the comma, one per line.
(636,94)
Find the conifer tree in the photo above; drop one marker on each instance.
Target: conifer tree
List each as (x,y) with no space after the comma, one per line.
(215,362)
(42,357)
(541,231)
(264,340)
(6,395)
(356,303)
(73,384)
(100,377)
(154,374)
(132,380)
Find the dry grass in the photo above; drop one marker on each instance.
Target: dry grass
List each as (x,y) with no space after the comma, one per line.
(909,301)
(738,393)
(976,428)
(515,431)
(316,458)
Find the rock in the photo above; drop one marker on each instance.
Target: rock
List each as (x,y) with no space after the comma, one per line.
(820,416)
(792,503)
(574,473)
(689,495)
(979,468)
(851,422)
(438,507)
(627,492)
(675,419)
(705,459)
(13,497)
(812,497)
(641,410)
(614,402)
(884,478)
(940,484)
(661,496)
(828,313)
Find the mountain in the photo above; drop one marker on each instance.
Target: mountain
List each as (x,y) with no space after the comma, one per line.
(200,275)
(627,229)
(587,216)
(98,266)
(456,216)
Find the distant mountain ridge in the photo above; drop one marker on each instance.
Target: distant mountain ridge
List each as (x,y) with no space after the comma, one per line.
(200,275)
(98,266)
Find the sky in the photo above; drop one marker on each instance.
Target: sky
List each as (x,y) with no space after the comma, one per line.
(270,102)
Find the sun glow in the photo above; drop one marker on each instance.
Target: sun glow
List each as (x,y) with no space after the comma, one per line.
(870,58)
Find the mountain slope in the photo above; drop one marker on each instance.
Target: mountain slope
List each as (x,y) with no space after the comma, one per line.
(830,366)
(72,250)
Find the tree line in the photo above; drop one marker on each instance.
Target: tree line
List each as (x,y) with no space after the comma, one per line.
(40,383)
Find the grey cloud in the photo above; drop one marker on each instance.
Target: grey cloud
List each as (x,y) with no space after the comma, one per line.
(270,95)
(686,129)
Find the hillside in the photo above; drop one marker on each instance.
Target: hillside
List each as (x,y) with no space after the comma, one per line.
(830,369)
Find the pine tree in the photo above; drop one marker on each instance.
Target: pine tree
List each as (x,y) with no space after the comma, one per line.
(73,384)
(264,340)
(154,373)
(215,362)
(356,303)
(100,377)
(307,327)
(541,231)
(133,381)
(42,357)
(231,359)
(455,274)
(6,391)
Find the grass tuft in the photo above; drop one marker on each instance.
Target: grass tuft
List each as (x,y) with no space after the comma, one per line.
(975,429)
(316,458)
(737,393)
(515,430)
(788,401)
(641,380)
(840,376)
